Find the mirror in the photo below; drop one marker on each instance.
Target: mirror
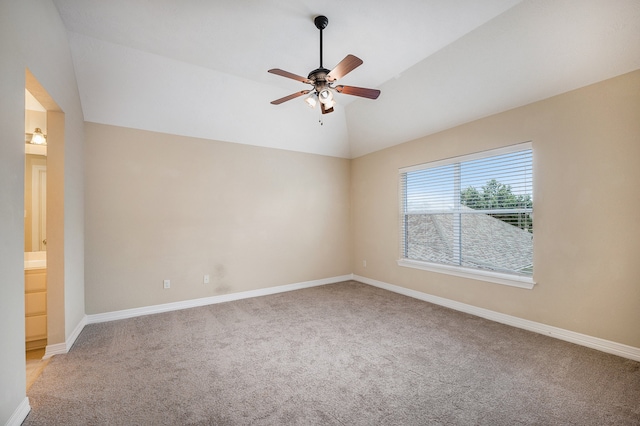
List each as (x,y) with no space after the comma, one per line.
(35,203)
(35,179)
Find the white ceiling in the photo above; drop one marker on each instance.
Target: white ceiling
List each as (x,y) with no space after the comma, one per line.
(199,68)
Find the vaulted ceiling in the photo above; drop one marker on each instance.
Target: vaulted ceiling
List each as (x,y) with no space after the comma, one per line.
(199,68)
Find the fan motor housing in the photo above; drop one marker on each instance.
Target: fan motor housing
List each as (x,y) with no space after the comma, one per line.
(319,77)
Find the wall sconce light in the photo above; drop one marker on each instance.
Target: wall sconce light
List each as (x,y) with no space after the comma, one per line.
(38,138)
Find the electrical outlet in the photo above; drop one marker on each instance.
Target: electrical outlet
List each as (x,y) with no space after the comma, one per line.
(364,263)
(206,279)
(167,283)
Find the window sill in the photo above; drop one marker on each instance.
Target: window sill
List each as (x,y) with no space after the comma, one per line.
(492,277)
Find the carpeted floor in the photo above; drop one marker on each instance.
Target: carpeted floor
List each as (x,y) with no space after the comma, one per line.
(340,354)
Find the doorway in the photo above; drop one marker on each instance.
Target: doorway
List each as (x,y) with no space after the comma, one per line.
(44,226)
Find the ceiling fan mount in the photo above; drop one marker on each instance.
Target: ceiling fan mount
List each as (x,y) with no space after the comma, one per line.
(322,79)
(321,22)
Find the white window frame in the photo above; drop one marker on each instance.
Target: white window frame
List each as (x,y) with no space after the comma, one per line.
(460,271)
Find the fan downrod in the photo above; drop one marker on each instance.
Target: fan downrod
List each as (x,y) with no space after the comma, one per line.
(321,22)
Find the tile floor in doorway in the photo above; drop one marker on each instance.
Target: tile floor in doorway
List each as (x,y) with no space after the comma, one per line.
(35,365)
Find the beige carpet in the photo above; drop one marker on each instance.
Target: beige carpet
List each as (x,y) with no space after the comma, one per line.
(341,354)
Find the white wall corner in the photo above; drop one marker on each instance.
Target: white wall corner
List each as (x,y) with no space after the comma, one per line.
(21,413)
(76,332)
(602,345)
(63,348)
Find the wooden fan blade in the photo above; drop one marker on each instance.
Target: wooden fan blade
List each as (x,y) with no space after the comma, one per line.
(288,74)
(348,64)
(359,91)
(288,98)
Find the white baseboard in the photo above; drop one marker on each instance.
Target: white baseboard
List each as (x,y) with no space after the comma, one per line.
(63,348)
(630,352)
(603,345)
(55,349)
(20,413)
(193,303)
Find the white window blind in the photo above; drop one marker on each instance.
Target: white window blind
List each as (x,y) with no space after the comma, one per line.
(472,212)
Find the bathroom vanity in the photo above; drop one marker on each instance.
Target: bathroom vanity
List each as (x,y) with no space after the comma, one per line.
(35,300)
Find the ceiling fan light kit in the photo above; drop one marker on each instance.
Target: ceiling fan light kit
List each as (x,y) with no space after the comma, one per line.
(311,100)
(322,79)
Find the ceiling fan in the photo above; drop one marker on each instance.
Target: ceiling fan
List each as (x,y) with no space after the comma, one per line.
(322,79)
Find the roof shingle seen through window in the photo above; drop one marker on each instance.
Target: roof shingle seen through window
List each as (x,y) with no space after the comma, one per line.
(486,242)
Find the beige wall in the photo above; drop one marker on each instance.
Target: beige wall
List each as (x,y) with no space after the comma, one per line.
(168,207)
(587,238)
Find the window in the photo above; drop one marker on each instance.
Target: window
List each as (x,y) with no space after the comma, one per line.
(471,216)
